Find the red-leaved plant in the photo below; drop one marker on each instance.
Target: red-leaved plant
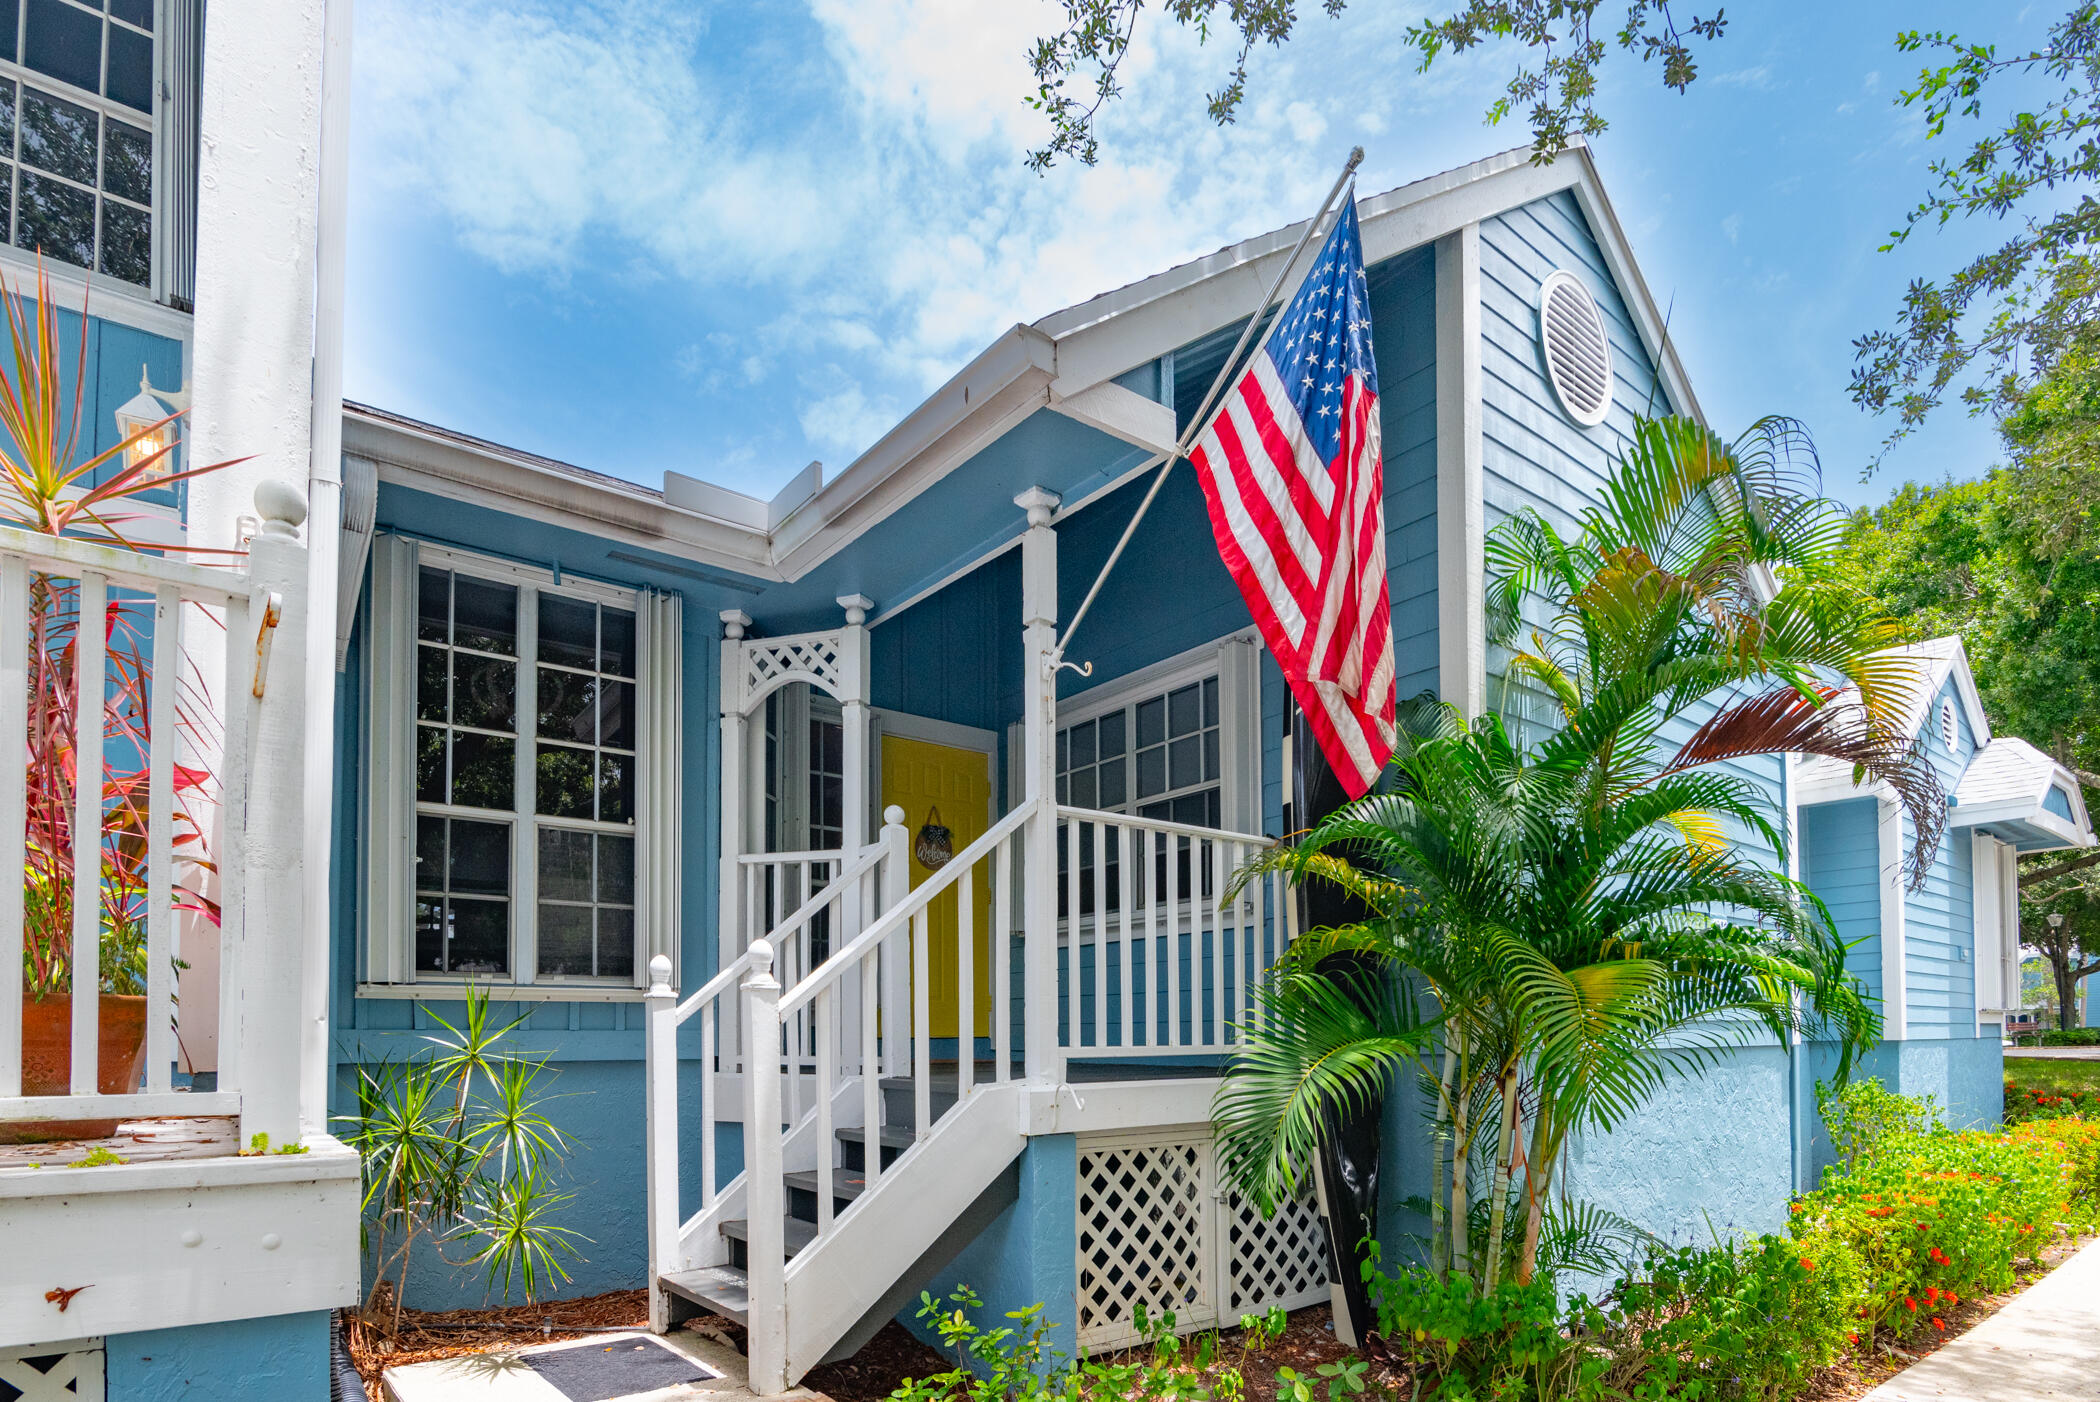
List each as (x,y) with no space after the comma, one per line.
(46,486)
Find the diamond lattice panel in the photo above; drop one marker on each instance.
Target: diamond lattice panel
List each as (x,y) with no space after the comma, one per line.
(811,655)
(1280,1260)
(37,1374)
(1144,1236)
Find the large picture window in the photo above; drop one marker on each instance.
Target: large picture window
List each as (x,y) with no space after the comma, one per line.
(537,818)
(77,116)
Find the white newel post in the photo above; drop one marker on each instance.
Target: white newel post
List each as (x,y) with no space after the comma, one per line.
(269,948)
(854,683)
(896,882)
(730,924)
(765,1195)
(660,1071)
(1039,729)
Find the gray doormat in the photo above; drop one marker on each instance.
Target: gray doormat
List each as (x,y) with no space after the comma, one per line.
(618,1368)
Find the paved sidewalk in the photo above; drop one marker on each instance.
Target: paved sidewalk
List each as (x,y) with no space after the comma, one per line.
(2045,1344)
(2054,1053)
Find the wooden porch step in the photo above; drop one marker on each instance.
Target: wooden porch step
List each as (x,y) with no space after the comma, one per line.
(724,1290)
(796,1234)
(854,1145)
(846,1185)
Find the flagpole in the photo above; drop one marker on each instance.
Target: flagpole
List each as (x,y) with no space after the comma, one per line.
(1199,421)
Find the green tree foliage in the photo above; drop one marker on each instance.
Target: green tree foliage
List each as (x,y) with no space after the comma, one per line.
(1997,325)
(1559,927)
(1076,68)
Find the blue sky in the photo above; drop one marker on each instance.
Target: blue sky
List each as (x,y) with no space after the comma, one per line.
(650,234)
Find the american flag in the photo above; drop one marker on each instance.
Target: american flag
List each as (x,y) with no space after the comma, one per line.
(1291,469)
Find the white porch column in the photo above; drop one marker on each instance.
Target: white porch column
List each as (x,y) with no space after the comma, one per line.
(729,920)
(1039,731)
(256,365)
(854,683)
(1460,506)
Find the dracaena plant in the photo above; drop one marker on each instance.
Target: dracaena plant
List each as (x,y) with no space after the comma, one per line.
(459,1156)
(1556,924)
(50,485)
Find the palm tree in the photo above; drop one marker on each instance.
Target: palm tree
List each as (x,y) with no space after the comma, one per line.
(1563,924)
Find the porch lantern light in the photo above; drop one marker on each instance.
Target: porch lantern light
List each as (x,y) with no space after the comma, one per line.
(2056,920)
(142,426)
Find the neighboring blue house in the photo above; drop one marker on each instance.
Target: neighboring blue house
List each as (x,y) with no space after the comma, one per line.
(596,741)
(1944,959)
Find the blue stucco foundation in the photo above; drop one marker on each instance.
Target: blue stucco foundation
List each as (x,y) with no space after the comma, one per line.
(1030,1252)
(598,1107)
(277,1358)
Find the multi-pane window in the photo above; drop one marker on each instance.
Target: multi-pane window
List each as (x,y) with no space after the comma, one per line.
(495,801)
(827,782)
(586,711)
(1156,756)
(76,132)
(586,916)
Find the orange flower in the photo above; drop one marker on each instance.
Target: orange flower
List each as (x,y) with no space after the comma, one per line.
(1807,1264)
(1940,1324)
(1910,1304)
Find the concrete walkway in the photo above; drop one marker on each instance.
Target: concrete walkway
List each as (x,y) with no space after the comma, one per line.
(2054,1053)
(2045,1344)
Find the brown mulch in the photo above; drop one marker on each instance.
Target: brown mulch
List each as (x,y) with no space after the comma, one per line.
(421,1339)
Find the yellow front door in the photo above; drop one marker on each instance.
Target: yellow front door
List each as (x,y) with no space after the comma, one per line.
(920,776)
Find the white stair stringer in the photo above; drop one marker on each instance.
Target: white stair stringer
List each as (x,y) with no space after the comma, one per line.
(700,1239)
(834,1281)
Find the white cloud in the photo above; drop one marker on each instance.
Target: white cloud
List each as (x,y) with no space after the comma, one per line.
(554,138)
(1757,79)
(1732,226)
(868,197)
(1306,122)
(846,419)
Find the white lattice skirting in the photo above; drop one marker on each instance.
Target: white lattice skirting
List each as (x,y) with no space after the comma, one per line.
(67,1372)
(1157,1228)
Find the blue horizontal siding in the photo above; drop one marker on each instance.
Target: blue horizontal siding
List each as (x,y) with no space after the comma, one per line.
(1841,863)
(1939,919)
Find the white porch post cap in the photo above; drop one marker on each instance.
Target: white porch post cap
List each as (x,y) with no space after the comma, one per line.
(1038,502)
(734,622)
(856,607)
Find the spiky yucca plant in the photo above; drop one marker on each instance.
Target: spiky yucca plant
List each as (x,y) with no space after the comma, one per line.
(1561,924)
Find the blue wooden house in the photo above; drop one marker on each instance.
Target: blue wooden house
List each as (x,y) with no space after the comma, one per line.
(680,773)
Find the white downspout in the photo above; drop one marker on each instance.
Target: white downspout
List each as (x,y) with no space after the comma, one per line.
(324,542)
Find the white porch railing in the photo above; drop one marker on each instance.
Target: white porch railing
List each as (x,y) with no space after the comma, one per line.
(218,724)
(1155,959)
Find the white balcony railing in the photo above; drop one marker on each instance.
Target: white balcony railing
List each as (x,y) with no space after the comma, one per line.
(125,873)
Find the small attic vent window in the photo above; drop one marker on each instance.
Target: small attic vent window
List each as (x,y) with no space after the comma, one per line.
(1578,354)
(1947,731)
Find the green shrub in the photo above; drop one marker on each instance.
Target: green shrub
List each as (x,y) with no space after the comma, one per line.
(1932,1218)
(2024,1103)
(2072,1037)
(1504,1343)
(1863,1114)
(1749,1319)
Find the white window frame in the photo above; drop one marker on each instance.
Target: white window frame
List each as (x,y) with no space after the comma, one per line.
(106,109)
(1235,660)
(391,961)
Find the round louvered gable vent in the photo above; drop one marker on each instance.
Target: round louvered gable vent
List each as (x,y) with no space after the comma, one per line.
(1578,354)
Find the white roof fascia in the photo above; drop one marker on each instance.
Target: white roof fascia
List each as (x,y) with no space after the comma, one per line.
(1810,792)
(1008,381)
(483,474)
(1120,330)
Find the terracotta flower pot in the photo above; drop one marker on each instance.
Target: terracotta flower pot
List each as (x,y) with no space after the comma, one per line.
(47,1061)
